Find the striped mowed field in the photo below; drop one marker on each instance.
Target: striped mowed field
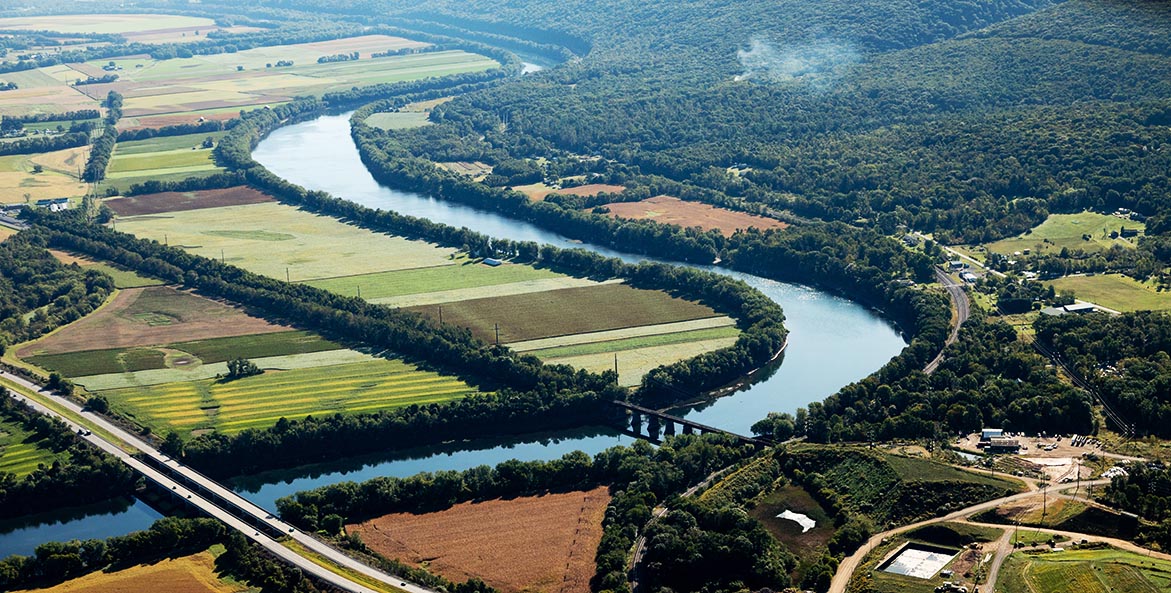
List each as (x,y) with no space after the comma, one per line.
(259,401)
(19,452)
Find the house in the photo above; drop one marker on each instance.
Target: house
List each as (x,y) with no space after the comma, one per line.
(1128,233)
(1080,308)
(989,433)
(968,277)
(956,264)
(54,204)
(910,240)
(1002,445)
(491,261)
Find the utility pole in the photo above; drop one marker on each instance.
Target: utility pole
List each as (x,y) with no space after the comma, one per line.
(615,368)
(223,260)
(166,241)
(497,334)
(287,276)
(440,314)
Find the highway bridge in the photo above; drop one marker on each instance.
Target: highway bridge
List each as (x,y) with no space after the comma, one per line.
(205,494)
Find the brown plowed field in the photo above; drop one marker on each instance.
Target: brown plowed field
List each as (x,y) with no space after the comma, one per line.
(591,189)
(158,121)
(670,210)
(190,574)
(151,316)
(534,543)
(192,200)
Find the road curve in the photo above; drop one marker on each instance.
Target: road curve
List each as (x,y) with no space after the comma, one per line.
(850,563)
(963,309)
(198,500)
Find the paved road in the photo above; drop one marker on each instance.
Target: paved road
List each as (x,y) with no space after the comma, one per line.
(850,563)
(93,421)
(963,309)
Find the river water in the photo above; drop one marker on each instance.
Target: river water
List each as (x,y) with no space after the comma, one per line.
(832,342)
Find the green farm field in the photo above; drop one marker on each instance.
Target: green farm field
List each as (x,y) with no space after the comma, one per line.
(125,278)
(633,364)
(700,335)
(130,360)
(1066,230)
(164,163)
(1084,571)
(19,450)
(261,400)
(567,311)
(463,274)
(272,238)
(1114,291)
(165,143)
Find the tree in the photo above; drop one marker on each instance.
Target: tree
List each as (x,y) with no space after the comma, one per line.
(239,368)
(173,445)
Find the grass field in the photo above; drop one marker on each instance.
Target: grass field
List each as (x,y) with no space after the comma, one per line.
(542,544)
(129,360)
(1114,291)
(630,337)
(147,317)
(403,120)
(272,238)
(567,311)
(261,400)
(188,574)
(166,143)
(633,364)
(19,185)
(1084,571)
(125,278)
(166,162)
(1066,230)
(701,335)
(463,274)
(19,452)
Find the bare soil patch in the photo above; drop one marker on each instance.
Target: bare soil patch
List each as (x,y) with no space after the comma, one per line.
(591,189)
(158,121)
(670,210)
(534,543)
(193,200)
(151,316)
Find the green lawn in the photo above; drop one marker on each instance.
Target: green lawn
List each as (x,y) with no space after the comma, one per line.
(261,400)
(1114,291)
(465,274)
(922,470)
(1084,571)
(1066,230)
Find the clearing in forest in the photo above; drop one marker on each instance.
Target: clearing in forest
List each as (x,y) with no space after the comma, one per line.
(57,179)
(1060,231)
(534,543)
(669,210)
(1114,291)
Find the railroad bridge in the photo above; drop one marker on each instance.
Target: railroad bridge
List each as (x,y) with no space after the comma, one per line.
(658,419)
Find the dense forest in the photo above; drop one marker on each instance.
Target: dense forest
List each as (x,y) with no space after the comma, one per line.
(1125,358)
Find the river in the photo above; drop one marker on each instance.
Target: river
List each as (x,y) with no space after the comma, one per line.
(832,342)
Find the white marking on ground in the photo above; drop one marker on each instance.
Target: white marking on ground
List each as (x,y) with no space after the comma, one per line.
(803,520)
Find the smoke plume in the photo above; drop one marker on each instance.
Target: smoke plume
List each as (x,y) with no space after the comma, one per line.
(815,64)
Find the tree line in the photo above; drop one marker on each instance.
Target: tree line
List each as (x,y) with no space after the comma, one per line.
(84,476)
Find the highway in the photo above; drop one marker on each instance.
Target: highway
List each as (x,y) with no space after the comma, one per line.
(963,309)
(254,514)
